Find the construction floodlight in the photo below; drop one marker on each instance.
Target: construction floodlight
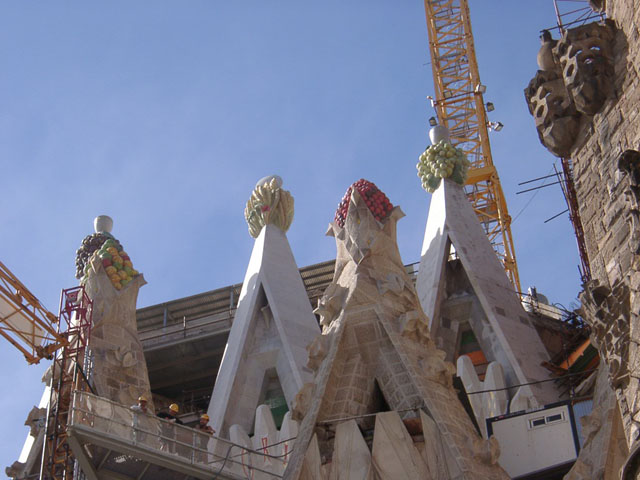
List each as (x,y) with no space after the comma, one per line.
(490,107)
(481,88)
(496,126)
(433,122)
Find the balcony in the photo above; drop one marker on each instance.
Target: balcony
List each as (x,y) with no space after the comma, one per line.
(110,441)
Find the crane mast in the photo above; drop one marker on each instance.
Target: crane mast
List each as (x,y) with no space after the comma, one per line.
(459,104)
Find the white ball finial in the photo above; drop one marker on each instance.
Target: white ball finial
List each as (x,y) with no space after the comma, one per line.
(438,133)
(268,179)
(103,223)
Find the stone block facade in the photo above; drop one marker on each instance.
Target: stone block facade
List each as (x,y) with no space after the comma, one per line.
(605,168)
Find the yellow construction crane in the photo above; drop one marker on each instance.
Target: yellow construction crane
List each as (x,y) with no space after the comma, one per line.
(25,322)
(459,104)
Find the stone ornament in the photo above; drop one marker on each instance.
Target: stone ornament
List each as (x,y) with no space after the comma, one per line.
(545,58)
(269,204)
(36,420)
(607,313)
(103,224)
(555,115)
(441,160)
(330,304)
(103,247)
(574,80)
(585,55)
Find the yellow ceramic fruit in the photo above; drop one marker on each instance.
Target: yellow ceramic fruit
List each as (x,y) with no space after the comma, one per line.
(110,270)
(122,274)
(116,259)
(118,285)
(112,250)
(127,263)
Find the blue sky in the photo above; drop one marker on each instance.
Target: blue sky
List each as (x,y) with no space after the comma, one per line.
(164,114)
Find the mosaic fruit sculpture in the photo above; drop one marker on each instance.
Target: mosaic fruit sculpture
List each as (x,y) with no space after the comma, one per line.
(90,244)
(116,263)
(439,161)
(269,204)
(375,199)
(114,259)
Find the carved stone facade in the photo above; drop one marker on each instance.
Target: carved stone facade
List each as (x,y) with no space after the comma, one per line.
(600,67)
(375,354)
(585,56)
(576,79)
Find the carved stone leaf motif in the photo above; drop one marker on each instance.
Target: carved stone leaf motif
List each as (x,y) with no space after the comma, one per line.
(608,313)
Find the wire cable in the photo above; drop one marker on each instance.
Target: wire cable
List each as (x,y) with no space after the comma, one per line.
(534,383)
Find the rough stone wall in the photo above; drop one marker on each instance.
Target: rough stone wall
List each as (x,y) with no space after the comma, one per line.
(604,191)
(599,184)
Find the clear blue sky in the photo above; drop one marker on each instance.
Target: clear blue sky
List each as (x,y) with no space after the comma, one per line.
(164,114)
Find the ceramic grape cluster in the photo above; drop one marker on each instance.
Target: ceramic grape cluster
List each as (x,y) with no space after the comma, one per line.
(439,161)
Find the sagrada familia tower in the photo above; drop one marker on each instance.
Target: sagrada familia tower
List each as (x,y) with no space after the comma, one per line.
(365,368)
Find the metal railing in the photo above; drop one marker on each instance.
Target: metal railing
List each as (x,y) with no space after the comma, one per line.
(105,417)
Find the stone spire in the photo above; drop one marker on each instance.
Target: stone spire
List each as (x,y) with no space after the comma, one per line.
(272,327)
(119,367)
(492,308)
(376,367)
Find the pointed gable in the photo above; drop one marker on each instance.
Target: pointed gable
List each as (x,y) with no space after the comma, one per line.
(505,334)
(272,327)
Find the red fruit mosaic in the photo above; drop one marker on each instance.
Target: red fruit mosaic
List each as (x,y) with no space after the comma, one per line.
(375,199)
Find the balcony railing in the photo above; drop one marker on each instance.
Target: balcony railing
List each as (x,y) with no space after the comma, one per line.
(112,437)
